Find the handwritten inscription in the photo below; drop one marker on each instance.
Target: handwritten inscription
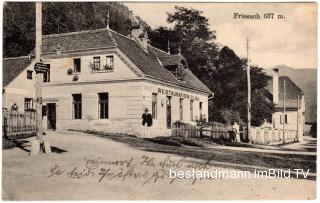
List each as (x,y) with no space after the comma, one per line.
(146,169)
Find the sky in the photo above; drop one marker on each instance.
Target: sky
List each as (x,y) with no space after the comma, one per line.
(290,41)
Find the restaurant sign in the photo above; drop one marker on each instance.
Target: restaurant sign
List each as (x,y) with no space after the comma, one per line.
(177,94)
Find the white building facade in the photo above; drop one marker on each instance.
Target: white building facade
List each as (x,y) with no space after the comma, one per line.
(289,105)
(18,83)
(106,85)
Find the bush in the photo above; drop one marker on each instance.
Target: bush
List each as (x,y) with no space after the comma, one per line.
(202,120)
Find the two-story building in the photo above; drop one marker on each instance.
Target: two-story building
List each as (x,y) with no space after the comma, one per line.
(102,80)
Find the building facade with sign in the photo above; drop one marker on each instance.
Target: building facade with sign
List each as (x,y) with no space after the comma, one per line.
(102,80)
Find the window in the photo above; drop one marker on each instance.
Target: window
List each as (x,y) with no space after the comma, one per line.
(154,106)
(46,76)
(200,109)
(181,109)
(96,63)
(191,110)
(77,65)
(103,105)
(29,74)
(109,63)
(76,106)
(28,104)
(285,119)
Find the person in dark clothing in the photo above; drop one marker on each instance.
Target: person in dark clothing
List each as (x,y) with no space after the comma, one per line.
(146,122)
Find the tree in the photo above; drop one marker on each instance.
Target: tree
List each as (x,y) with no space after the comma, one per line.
(218,67)
(59,17)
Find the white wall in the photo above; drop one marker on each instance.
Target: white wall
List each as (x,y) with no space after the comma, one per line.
(20,88)
(60,66)
(160,124)
(127,101)
(296,121)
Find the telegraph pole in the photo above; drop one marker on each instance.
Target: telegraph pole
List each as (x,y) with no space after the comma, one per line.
(284,109)
(249,92)
(39,76)
(38,145)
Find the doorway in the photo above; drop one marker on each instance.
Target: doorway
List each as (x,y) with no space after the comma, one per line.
(51,116)
(168,102)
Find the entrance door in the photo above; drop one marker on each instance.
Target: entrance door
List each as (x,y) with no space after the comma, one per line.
(51,116)
(168,112)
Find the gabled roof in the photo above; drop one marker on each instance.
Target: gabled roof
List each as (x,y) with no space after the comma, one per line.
(151,62)
(172,59)
(76,41)
(12,67)
(291,94)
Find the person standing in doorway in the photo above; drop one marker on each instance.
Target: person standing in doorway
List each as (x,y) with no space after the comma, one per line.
(146,122)
(236,130)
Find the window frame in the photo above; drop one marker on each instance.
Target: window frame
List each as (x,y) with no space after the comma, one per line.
(95,62)
(26,101)
(200,109)
(46,76)
(181,109)
(76,66)
(29,73)
(106,106)
(284,119)
(191,110)
(154,105)
(76,110)
(111,68)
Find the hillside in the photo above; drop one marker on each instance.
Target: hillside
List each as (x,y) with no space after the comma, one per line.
(306,79)
(19,33)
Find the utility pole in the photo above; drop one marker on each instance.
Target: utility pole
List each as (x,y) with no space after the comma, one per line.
(298,106)
(249,93)
(284,109)
(39,76)
(38,145)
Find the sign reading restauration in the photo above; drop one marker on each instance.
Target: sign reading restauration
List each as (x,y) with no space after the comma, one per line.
(177,94)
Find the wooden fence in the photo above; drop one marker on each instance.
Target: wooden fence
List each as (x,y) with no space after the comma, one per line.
(198,132)
(17,125)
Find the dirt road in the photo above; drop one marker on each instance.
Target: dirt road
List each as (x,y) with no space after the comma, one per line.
(86,167)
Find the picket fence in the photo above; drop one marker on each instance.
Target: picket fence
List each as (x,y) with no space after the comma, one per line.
(17,125)
(197,132)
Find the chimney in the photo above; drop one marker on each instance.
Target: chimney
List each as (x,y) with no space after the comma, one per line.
(139,35)
(275,85)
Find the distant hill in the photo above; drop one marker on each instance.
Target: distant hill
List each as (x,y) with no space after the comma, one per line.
(306,79)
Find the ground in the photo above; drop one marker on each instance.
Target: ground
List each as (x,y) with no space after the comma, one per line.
(86,166)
